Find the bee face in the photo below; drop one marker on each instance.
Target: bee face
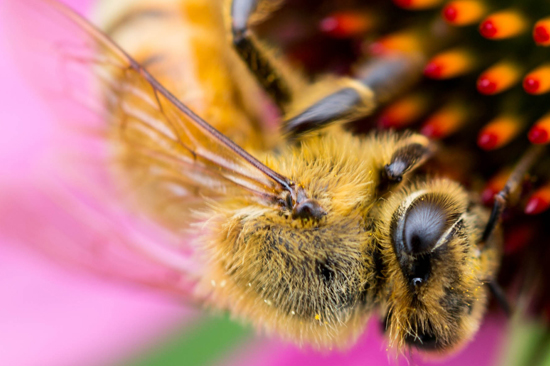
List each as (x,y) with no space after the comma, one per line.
(435,273)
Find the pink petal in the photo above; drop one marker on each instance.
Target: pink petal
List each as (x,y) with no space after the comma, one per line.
(371,350)
(51,316)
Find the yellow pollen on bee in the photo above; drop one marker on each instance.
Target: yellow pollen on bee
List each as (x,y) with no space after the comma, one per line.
(317,316)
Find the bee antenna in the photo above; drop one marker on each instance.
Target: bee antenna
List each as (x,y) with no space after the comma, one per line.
(500,296)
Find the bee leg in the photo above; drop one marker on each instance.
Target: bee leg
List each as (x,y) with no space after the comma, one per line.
(281,84)
(500,296)
(409,154)
(257,60)
(511,189)
(345,104)
(377,81)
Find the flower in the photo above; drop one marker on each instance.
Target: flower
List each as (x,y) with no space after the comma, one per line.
(132,318)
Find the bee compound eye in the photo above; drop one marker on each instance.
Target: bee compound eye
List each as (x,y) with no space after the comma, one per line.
(425,222)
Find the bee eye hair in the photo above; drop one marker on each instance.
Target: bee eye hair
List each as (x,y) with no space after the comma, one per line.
(424,224)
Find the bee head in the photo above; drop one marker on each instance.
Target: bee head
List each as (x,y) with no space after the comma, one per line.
(434,270)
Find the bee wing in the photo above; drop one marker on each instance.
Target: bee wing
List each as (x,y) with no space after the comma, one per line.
(92,85)
(79,232)
(154,128)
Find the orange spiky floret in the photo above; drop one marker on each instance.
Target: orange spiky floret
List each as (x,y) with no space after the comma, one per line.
(445,121)
(344,24)
(503,24)
(540,132)
(541,32)
(538,80)
(498,78)
(449,64)
(463,12)
(404,111)
(499,131)
(539,201)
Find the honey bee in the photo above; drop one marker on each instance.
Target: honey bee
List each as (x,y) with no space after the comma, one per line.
(303,233)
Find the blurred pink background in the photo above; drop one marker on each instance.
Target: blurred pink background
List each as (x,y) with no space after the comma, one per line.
(49,315)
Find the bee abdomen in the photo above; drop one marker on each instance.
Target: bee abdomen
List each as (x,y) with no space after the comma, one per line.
(305,283)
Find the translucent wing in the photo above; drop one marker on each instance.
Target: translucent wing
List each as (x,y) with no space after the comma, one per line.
(93,86)
(150,128)
(82,233)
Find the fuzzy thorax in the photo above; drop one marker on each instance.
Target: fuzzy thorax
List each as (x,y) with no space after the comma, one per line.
(311,281)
